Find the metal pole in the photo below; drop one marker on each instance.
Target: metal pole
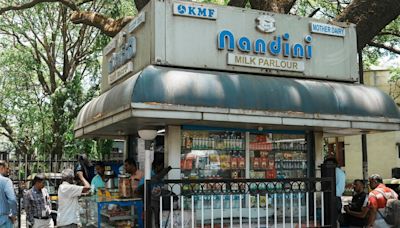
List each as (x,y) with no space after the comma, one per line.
(147,205)
(26,167)
(333,209)
(310,139)
(56,164)
(19,190)
(363,136)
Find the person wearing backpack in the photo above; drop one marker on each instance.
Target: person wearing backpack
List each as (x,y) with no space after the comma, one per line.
(378,200)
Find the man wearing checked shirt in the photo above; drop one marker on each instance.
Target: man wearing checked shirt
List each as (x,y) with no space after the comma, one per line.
(37,204)
(8,201)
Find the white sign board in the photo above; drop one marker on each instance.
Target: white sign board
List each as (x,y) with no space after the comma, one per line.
(327,29)
(190,9)
(205,36)
(263,62)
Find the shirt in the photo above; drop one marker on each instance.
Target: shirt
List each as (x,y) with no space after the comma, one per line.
(37,204)
(68,206)
(377,200)
(135,179)
(97,182)
(340,181)
(8,200)
(359,201)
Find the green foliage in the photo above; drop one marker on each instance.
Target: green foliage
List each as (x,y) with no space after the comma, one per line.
(328,10)
(40,42)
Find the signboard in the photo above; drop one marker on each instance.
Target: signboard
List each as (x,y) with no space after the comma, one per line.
(250,41)
(201,36)
(263,62)
(120,73)
(191,9)
(327,29)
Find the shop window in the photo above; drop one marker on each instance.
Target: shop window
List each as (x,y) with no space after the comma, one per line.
(222,154)
(277,156)
(213,154)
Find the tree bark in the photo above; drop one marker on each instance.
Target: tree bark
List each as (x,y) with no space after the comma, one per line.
(238,3)
(140,4)
(370,16)
(276,6)
(108,26)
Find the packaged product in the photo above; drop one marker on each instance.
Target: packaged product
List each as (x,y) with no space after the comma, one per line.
(242,163)
(264,163)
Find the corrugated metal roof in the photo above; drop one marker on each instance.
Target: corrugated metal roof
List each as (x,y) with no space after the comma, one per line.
(194,88)
(242,91)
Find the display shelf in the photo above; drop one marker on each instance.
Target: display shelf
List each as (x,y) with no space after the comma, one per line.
(137,203)
(294,169)
(197,169)
(117,218)
(106,225)
(186,150)
(260,170)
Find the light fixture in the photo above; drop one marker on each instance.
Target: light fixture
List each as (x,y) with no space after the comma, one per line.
(147,134)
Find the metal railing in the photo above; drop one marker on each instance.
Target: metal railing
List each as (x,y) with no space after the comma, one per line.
(218,203)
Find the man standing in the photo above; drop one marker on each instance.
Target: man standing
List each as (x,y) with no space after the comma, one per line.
(340,183)
(98,180)
(8,200)
(68,195)
(377,201)
(136,175)
(37,204)
(356,212)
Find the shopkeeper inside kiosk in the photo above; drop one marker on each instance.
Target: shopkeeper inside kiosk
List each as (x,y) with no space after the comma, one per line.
(99,180)
(136,174)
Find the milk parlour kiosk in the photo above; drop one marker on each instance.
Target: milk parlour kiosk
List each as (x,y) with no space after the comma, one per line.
(240,93)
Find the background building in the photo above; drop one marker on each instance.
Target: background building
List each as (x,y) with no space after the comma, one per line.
(383,148)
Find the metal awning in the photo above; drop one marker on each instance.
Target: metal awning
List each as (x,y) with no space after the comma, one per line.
(159,96)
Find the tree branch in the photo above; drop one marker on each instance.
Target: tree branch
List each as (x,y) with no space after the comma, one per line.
(140,4)
(84,2)
(389,33)
(370,16)
(387,47)
(238,3)
(108,26)
(33,3)
(8,128)
(277,6)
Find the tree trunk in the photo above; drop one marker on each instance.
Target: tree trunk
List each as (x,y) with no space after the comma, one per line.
(276,6)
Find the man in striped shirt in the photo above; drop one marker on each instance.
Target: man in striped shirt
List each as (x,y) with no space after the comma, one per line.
(377,201)
(8,200)
(37,204)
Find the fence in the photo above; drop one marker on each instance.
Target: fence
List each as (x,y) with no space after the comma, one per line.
(20,168)
(240,203)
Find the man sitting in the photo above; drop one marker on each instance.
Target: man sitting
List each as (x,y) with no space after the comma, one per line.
(356,212)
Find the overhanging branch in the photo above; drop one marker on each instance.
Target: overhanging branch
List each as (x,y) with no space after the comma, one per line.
(238,3)
(389,33)
(33,3)
(387,47)
(107,25)
(370,17)
(277,6)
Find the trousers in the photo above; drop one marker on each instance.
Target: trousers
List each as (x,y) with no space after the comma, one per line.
(43,223)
